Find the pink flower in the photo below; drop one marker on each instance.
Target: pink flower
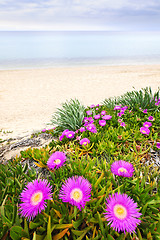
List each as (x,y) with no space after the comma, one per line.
(56,160)
(102,123)
(70,134)
(44,130)
(147,124)
(89,112)
(34,197)
(117,107)
(76,191)
(150,118)
(82,129)
(119,120)
(92,106)
(145,111)
(144,130)
(91,127)
(107,117)
(122,124)
(158,145)
(122,213)
(97,116)
(78,138)
(122,168)
(84,141)
(103,112)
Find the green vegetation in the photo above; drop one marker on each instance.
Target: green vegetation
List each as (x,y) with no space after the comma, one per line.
(69,116)
(109,143)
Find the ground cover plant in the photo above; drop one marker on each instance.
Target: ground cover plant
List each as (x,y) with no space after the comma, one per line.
(99,180)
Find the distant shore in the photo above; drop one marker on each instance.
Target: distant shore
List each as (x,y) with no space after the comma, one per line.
(29,98)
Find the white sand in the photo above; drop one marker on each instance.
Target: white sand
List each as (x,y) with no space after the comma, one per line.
(28,98)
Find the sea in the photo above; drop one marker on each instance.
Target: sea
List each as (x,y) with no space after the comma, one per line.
(46,49)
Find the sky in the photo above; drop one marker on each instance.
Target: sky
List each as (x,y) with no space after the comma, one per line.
(84,15)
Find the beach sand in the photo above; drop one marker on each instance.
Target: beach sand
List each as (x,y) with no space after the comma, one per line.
(29,98)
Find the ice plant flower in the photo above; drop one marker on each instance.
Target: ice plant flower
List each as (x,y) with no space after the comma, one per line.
(102,123)
(91,127)
(56,160)
(145,111)
(122,213)
(145,130)
(158,145)
(82,129)
(103,112)
(119,120)
(70,134)
(76,191)
(147,124)
(84,141)
(117,107)
(107,117)
(122,168)
(44,130)
(122,124)
(89,112)
(92,106)
(34,197)
(97,116)
(150,118)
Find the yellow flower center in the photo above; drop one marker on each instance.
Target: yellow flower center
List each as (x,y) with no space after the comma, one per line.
(57,161)
(121,170)
(120,211)
(70,135)
(36,198)
(76,194)
(143,131)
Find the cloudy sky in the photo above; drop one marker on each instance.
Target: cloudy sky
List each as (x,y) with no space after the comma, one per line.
(112,15)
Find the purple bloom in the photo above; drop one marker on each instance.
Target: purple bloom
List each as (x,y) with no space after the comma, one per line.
(34,197)
(63,134)
(76,191)
(70,134)
(145,111)
(122,124)
(124,108)
(97,116)
(78,138)
(120,114)
(84,141)
(92,106)
(61,137)
(144,130)
(147,124)
(56,160)
(150,118)
(117,107)
(103,112)
(122,168)
(82,129)
(119,120)
(158,145)
(102,123)
(44,130)
(91,127)
(107,117)
(89,112)
(122,213)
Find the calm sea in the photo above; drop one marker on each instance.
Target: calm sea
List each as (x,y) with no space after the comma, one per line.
(51,49)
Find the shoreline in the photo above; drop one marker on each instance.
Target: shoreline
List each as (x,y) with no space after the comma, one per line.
(29,97)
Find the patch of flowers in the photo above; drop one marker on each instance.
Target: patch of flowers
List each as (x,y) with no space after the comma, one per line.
(93,182)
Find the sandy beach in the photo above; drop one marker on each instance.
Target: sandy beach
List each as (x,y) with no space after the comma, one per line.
(29,98)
